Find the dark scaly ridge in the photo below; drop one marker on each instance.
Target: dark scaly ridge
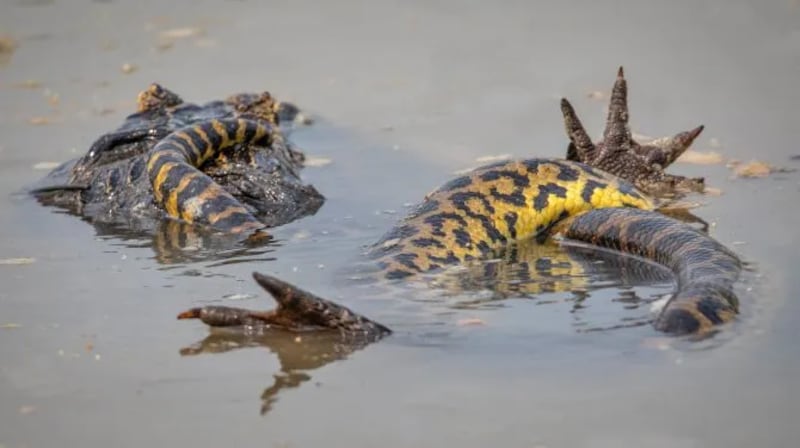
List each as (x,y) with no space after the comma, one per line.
(705,269)
(187,193)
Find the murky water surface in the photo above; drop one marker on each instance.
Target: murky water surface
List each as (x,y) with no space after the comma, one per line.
(407,93)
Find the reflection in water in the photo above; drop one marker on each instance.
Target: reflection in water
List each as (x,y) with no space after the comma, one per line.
(524,270)
(544,272)
(178,242)
(528,269)
(175,242)
(298,354)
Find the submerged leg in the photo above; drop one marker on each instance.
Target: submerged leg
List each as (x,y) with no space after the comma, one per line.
(297,310)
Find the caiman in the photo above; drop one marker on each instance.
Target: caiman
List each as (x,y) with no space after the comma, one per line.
(226,164)
(605,194)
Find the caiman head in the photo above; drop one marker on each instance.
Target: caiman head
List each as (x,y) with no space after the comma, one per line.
(109,183)
(265,179)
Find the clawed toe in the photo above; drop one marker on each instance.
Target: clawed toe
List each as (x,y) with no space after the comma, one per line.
(297,311)
(619,154)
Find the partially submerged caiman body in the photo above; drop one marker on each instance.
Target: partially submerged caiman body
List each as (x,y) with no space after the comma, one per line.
(247,161)
(600,195)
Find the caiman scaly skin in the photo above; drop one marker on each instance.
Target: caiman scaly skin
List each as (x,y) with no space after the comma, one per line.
(296,310)
(225,165)
(619,154)
(473,216)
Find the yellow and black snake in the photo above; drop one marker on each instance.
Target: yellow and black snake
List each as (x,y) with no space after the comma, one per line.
(187,193)
(472,216)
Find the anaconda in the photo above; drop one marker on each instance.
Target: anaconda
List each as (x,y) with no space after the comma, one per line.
(224,164)
(603,202)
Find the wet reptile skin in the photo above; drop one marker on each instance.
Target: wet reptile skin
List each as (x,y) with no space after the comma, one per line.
(473,215)
(111,184)
(705,269)
(187,193)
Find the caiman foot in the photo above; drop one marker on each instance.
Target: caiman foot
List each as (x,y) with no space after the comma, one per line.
(297,311)
(619,154)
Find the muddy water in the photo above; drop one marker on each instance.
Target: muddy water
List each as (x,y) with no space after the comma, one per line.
(408,93)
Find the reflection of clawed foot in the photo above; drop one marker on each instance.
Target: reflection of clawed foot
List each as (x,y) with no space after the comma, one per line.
(327,332)
(298,355)
(619,154)
(283,380)
(297,311)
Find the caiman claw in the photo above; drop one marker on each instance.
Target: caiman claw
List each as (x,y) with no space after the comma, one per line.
(297,311)
(618,153)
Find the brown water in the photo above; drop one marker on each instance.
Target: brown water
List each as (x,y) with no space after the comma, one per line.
(407,92)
